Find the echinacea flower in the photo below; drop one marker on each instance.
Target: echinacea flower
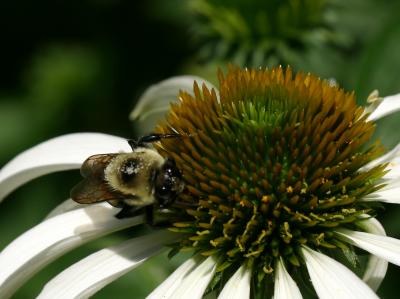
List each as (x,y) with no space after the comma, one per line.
(281,182)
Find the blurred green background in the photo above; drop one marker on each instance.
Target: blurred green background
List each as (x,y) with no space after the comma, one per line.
(74,66)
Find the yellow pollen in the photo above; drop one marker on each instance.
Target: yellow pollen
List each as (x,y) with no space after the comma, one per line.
(289,189)
(265,198)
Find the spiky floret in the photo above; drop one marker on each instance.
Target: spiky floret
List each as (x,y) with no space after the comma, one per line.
(271,163)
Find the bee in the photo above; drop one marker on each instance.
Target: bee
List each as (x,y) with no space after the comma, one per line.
(137,182)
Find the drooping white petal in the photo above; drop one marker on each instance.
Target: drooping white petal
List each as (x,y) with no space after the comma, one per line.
(285,286)
(389,105)
(388,157)
(45,242)
(384,247)
(65,206)
(388,194)
(89,275)
(155,101)
(394,170)
(172,283)
(238,286)
(376,267)
(195,283)
(60,153)
(332,280)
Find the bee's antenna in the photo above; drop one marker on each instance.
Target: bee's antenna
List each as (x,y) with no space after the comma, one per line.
(142,141)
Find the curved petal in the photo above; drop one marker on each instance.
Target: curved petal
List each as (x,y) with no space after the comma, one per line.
(332,280)
(89,275)
(387,106)
(376,267)
(384,247)
(238,286)
(64,207)
(195,283)
(172,283)
(394,170)
(388,194)
(388,157)
(45,242)
(285,286)
(155,101)
(60,153)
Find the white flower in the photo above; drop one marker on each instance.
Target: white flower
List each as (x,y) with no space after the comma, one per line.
(71,225)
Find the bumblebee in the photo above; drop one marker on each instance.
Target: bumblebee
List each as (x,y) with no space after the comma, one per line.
(136,181)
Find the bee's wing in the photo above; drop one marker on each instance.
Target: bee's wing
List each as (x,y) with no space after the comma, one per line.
(95,165)
(93,187)
(91,190)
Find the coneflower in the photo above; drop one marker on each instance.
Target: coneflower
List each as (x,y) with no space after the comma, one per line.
(281,184)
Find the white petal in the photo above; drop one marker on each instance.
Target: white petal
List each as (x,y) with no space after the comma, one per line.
(332,280)
(65,206)
(388,157)
(172,283)
(89,275)
(384,247)
(45,242)
(155,101)
(394,169)
(238,286)
(196,282)
(388,106)
(285,286)
(60,153)
(376,267)
(194,285)
(388,194)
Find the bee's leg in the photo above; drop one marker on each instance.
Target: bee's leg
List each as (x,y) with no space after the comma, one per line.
(129,211)
(157,218)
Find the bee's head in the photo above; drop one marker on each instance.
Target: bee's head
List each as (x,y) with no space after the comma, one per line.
(168,183)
